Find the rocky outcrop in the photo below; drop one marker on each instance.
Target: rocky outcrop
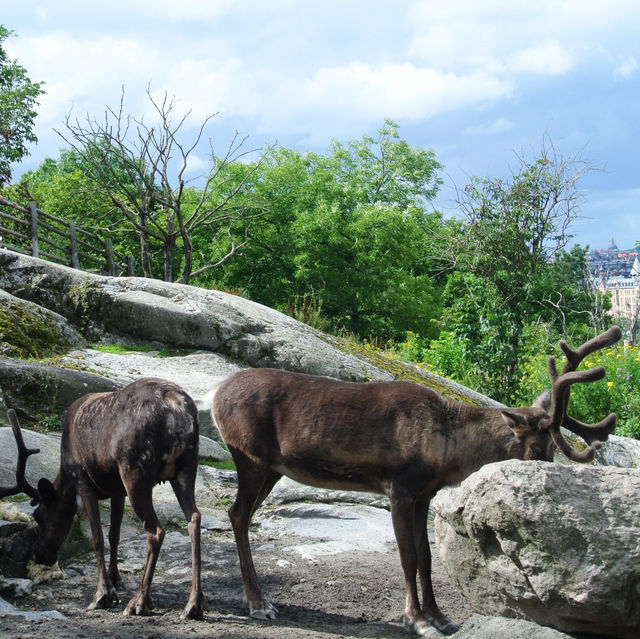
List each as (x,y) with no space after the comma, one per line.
(619,451)
(209,335)
(133,309)
(33,388)
(555,544)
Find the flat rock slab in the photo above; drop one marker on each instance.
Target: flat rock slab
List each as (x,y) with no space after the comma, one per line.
(332,528)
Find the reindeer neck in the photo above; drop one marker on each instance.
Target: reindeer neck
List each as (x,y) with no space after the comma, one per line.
(481,437)
(66,486)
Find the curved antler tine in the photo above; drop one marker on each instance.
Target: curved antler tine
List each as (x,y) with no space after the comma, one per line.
(22,485)
(574,357)
(561,386)
(17,433)
(592,433)
(569,451)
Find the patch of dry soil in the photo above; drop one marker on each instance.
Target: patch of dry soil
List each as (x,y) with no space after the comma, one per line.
(350,594)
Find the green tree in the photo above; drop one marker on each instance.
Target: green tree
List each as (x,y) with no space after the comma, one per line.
(369,268)
(510,268)
(18,99)
(348,229)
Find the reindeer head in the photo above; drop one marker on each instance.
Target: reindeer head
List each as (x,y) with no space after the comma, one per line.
(533,440)
(539,433)
(55,509)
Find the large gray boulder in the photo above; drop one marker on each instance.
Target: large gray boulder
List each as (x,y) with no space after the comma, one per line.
(187,317)
(619,451)
(555,544)
(43,464)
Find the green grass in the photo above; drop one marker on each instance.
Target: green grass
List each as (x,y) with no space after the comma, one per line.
(226,464)
(123,349)
(16,498)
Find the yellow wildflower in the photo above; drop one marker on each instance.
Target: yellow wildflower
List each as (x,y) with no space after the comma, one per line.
(610,384)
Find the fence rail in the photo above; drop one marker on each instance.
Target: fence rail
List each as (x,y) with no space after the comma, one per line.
(39,234)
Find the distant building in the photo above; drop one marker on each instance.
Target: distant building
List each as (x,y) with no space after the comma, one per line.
(617,272)
(611,262)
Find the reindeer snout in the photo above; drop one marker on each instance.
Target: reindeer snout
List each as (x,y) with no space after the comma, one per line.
(44,554)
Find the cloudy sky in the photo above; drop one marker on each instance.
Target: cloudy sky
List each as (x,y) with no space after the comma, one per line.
(478,82)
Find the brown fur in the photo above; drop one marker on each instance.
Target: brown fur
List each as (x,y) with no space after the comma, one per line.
(394,438)
(117,445)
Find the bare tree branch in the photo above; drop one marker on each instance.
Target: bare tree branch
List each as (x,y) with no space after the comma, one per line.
(142,169)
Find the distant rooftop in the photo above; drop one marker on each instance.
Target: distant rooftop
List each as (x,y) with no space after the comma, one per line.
(612,262)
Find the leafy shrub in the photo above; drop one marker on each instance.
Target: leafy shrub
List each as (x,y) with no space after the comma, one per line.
(445,356)
(618,392)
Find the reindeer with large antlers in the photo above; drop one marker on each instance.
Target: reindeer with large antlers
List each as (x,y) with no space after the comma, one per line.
(395,438)
(114,445)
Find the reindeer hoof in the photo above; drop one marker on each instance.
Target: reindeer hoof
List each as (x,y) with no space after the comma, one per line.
(194,609)
(421,628)
(138,606)
(444,625)
(268,611)
(104,599)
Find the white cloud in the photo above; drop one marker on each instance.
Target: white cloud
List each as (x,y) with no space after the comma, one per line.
(545,37)
(86,74)
(627,67)
(197,164)
(550,58)
(491,128)
(358,92)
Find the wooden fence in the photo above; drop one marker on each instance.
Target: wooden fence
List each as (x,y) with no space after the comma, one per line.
(31,231)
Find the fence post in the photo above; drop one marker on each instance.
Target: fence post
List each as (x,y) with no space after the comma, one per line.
(108,245)
(33,207)
(75,262)
(131,265)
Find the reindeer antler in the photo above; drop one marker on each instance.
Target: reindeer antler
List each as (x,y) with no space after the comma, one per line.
(593,434)
(22,485)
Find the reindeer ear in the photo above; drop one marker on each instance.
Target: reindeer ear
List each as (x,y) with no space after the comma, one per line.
(517,423)
(47,491)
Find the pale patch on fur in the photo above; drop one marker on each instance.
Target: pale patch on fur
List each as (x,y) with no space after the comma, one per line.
(207,400)
(41,574)
(173,400)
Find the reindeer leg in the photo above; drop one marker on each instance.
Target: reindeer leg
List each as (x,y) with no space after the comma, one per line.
(141,502)
(106,596)
(429,605)
(117,511)
(403,509)
(184,488)
(254,484)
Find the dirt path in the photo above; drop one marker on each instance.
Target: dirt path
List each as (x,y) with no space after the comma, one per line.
(350,594)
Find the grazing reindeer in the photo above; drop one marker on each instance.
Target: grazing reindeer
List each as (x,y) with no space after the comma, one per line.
(394,438)
(114,445)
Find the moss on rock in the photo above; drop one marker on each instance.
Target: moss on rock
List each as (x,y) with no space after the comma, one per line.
(28,331)
(410,372)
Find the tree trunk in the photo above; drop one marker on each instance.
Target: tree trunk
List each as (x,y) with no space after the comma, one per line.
(354,321)
(145,255)
(169,248)
(187,246)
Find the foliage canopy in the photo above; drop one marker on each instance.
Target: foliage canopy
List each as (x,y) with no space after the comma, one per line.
(18,100)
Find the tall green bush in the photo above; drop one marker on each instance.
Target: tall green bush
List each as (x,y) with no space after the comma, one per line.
(618,392)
